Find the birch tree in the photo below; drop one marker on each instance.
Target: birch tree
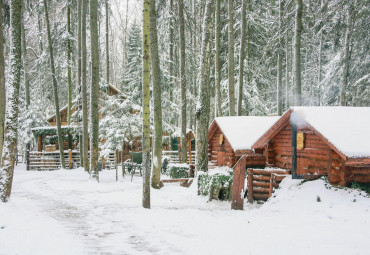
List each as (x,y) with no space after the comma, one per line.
(94,90)
(157,99)
(146,105)
(11,118)
(55,86)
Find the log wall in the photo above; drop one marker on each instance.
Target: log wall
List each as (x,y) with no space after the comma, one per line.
(313,159)
(214,147)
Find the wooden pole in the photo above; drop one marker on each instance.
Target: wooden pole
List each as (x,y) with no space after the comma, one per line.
(28,159)
(70,159)
(238,185)
(189,149)
(250,185)
(103,162)
(39,143)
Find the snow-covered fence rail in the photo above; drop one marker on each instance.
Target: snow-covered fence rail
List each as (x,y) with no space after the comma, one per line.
(175,157)
(51,160)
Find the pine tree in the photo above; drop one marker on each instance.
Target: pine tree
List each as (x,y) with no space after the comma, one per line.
(202,111)
(297,53)
(182,81)
(85,117)
(55,87)
(157,99)
(11,118)
(231,59)
(2,84)
(94,90)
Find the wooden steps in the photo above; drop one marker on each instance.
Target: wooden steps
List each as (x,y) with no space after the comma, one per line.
(261,182)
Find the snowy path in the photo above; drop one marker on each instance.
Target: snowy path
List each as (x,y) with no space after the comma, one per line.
(62,212)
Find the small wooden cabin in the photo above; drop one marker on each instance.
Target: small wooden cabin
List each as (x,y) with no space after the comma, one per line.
(231,137)
(332,141)
(112,91)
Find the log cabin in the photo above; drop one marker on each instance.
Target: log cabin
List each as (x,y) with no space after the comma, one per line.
(231,137)
(316,141)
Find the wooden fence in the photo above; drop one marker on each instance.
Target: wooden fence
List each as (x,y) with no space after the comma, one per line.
(174,157)
(36,160)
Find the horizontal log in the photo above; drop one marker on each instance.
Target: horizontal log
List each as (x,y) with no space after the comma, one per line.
(177,180)
(260,190)
(261,178)
(268,172)
(279,178)
(361,178)
(365,171)
(284,166)
(260,196)
(261,184)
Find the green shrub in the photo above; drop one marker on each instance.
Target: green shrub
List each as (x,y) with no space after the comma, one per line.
(178,171)
(216,186)
(362,186)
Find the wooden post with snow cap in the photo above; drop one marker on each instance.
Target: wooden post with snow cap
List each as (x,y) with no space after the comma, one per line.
(70,159)
(250,185)
(237,199)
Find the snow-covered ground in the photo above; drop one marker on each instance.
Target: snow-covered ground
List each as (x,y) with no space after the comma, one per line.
(62,212)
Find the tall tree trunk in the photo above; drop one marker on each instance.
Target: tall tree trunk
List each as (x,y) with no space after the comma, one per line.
(157,98)
(202,111)
(55,87)
(25,61)
(297,53)
(85,117)
(171,51)
(218,60)
(182,81)
(69,64)
(2,84)
(346,58)
(107,40)
(146,105)
(79,73)
(94,91)
(11,118)
(241,57)
(286,69)
(319,76)
(280,63)
(231,59)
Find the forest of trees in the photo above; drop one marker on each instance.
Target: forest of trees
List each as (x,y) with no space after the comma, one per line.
(207,58)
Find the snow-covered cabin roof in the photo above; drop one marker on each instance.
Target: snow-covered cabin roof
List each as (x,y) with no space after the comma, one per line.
(346,129)
(243,131)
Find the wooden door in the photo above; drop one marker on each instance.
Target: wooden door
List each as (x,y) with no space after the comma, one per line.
(221,158)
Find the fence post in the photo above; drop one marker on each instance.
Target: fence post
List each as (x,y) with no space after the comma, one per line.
(70,159)
(28,159)
(250,185)
(238,185)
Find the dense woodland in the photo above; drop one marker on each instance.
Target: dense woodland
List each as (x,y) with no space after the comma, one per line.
(178,63)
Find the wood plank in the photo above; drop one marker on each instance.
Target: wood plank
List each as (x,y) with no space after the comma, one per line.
(238,185)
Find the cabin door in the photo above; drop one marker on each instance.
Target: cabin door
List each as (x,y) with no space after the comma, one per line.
(221,155)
